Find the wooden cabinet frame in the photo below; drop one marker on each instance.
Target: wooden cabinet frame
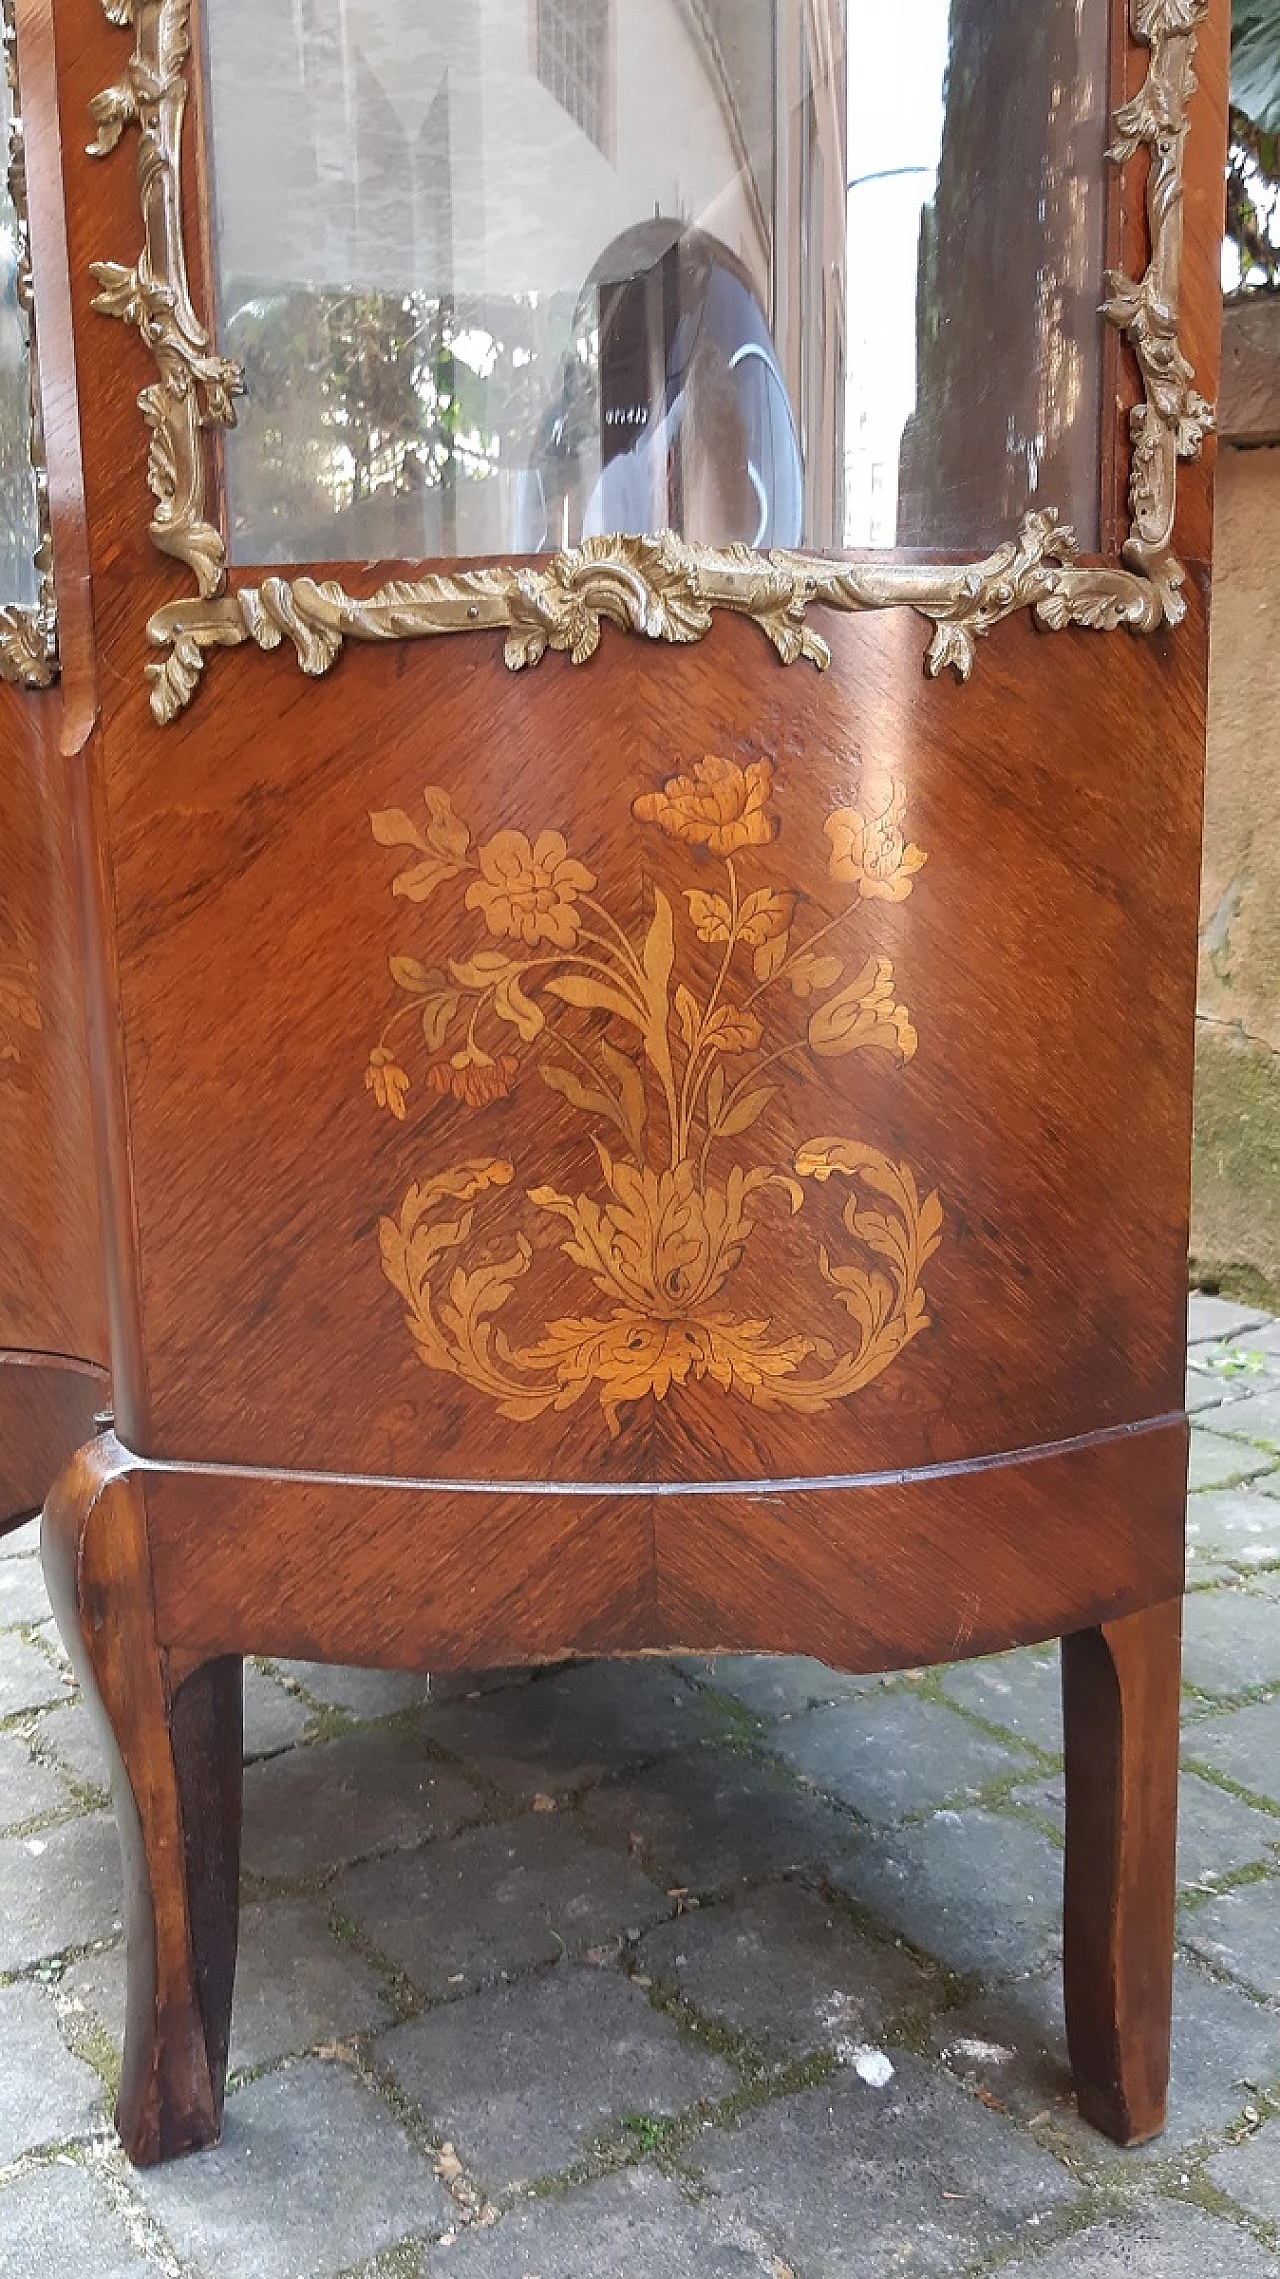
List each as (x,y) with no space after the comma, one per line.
(287,1477)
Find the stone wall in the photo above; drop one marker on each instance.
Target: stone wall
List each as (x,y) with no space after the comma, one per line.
(1235,1235)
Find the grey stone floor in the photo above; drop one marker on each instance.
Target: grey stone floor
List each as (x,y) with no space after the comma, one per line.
(713,1970)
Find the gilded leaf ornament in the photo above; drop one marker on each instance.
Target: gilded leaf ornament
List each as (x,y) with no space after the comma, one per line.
(661,588)
(670,1061)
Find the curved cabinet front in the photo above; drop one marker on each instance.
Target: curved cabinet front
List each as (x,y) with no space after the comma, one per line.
(678,1073)
(677,1076)
(53,1336)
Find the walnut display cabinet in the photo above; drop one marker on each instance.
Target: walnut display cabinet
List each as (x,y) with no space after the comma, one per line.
(631,594)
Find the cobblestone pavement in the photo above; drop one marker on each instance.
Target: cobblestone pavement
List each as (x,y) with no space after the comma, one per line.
(677,1970)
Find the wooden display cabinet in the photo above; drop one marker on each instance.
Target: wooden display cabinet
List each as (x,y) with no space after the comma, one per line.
(674,1148)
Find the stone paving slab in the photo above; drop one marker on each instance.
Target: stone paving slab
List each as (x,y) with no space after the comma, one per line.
(58,1890)
(1242,1524)
(572,1726)
(709,1819)
(67,1736)
(321,1806)
(1242,1744)
(496,1901)
(1249,2173)
(1201,1573)
(1203,1392)
(23,1597)
(889,1757)
(523,2079)
(1211,1319)
(54,2220)
(1010,2042)
(46,2094)
(846,2179)
(274,1718)
(297,1987)
(634,2226)
(359,1693)
(1166,2241)
(788,1968)
(1239,1932)
(1230,1642)
(1219,1462)
(976,1891)
(1218,1834)
(28,1679)
(28,1789)
(1022,1693)
(777,1685)
(1254,1417)
(312,2176)
(781,1996)
(23,1541)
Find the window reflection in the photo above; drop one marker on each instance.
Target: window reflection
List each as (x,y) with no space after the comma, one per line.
(19,523)
(507,273)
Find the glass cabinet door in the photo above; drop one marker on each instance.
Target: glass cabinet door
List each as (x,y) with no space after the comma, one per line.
(504,274)
(19,513)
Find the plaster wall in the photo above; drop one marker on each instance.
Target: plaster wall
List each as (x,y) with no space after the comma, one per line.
(1236,1185)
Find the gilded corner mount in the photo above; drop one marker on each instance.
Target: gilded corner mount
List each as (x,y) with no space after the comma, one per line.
(662,587)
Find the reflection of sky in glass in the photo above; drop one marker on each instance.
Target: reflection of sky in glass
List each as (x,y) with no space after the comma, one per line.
(897,66)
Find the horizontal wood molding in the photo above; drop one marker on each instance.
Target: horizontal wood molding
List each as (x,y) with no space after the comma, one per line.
(866,1575)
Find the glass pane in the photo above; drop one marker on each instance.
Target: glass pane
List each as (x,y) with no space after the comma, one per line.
(506,273)
(19,519)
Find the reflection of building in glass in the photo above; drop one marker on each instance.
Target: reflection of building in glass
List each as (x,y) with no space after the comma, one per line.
(1009,279)
(976,190)
(573,61)
(412,197)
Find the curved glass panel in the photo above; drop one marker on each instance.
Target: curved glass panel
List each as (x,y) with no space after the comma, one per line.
(19,514)
(506,273)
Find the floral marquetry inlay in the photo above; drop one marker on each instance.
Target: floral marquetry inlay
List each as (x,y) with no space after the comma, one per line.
(673,1059)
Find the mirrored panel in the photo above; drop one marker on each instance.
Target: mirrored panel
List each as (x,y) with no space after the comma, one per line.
(19,513)
(503,274)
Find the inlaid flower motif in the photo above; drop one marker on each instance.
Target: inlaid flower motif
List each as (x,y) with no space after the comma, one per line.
(528,893)
(473,1077)
(685,1063)
(721,806)
(864,1013)
(869,850)
(764,917)
(388,1082)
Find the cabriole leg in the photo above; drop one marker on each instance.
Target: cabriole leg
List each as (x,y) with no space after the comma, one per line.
(1120,1692)
(175,1752)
